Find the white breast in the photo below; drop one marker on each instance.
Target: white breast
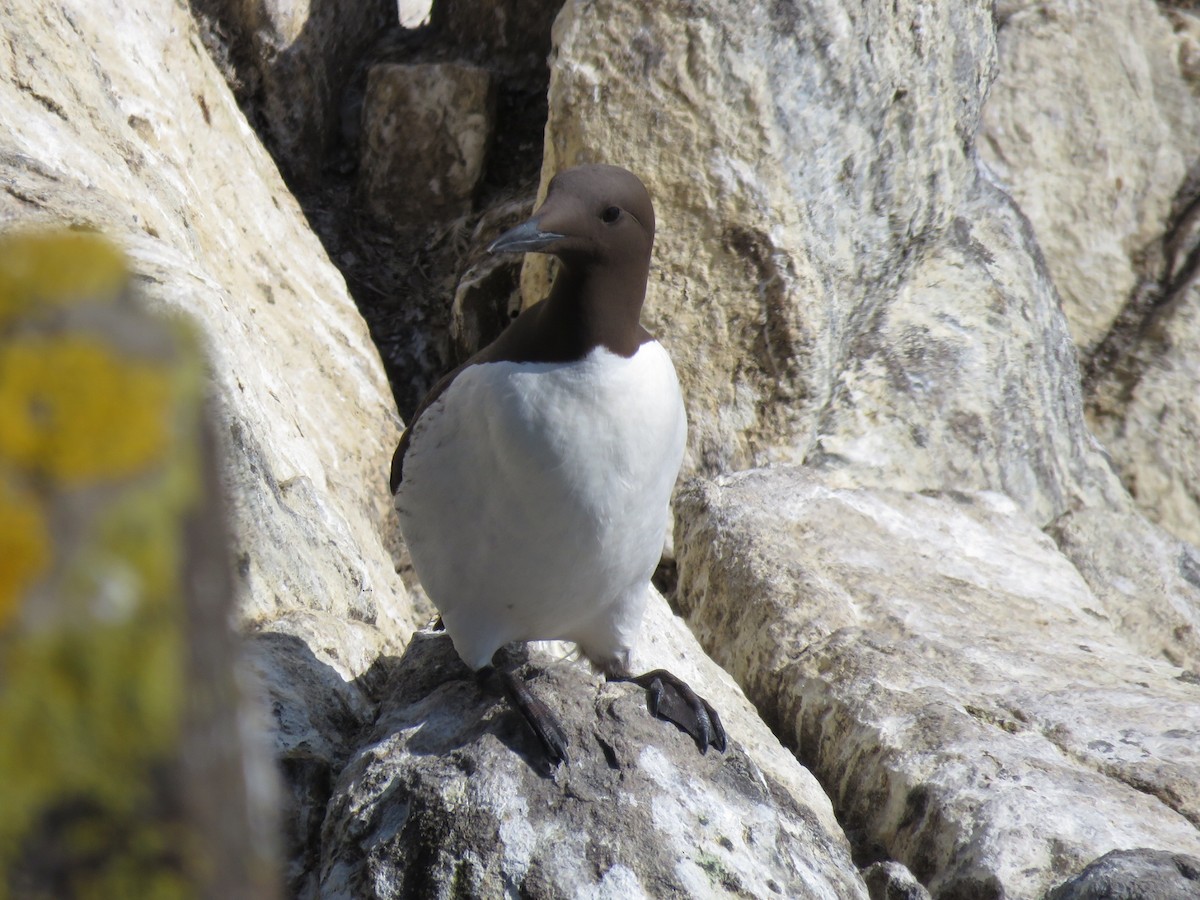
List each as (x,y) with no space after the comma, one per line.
(534,500)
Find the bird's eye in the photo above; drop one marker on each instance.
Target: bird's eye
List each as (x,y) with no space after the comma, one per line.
(610,215)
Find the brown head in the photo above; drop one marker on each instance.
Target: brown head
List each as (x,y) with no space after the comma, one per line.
(598,220)
(591,215)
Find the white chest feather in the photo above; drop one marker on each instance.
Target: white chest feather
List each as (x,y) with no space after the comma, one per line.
(534,500)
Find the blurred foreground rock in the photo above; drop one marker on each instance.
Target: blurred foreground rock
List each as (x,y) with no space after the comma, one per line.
(132,763)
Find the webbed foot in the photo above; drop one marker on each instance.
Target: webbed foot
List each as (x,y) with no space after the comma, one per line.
(552,738)
(670,698)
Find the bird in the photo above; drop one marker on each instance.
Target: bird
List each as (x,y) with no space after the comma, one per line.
(533,481)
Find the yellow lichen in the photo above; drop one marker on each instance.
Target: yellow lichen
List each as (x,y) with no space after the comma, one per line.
(74,411)
(24,546)
(40,269)
(92,680)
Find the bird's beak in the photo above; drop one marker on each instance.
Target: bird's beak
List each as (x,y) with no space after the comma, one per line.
(525,238)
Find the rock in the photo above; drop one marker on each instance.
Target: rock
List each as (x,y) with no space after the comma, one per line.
(426,130)
(98,137)
(1147,580)
(1093,126)
(449,795)
(509,35)
(414,13)
(892,881)
(292,62)
(317,714)
(1146,410)
(1134,874)
(975,710)
(830,256)
(124,744)
(116,119)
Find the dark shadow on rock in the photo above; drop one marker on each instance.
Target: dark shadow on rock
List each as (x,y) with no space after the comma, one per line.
(1140,874)
(403,280)
(430,693)
(317,717)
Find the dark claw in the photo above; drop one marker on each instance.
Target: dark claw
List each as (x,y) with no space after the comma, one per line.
(538,715)
(682,706)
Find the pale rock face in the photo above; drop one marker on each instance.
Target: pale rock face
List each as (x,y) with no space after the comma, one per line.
(966,377)
(1093,125)
(1147,413)
(973,707)
(426,131)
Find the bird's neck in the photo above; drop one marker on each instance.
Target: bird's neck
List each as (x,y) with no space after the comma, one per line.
(600,305)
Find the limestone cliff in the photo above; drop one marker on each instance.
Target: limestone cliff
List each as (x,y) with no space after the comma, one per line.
(926,270)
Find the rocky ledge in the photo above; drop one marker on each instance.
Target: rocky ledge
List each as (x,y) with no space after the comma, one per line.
(935,317)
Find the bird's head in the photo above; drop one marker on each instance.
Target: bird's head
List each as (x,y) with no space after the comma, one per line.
(592,215)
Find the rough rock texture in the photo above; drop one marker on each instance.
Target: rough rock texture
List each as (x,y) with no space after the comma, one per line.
(892,881)
(829,255)
(974,709)
(448,795)
(98,138)
(991,706)
(1146,410)
(426,131)
(115,118)
(1094,126)
(1147,580)
(1140,874)
(116,658)
(291,63)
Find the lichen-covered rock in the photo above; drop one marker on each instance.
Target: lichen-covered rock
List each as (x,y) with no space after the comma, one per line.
(448,796)
(1141,874)
(116,658)
(975,710)
(426,130)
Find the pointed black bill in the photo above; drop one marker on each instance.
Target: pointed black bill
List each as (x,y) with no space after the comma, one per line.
(525,238)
